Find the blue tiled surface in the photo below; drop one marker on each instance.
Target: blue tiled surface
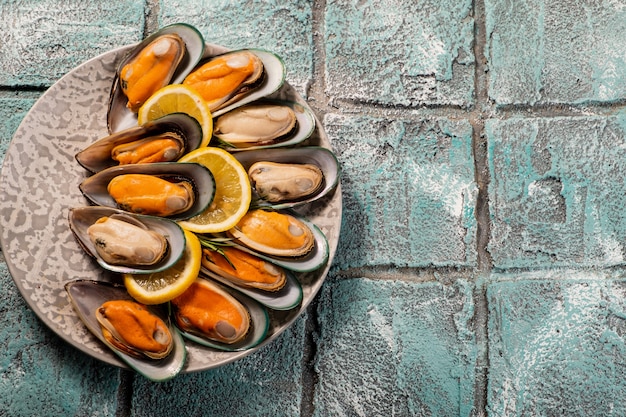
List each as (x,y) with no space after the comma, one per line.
(415,205)
(480,265)
(550,51)
(415,352)
(399,53)
(555,198)
(46,39)
(557,344)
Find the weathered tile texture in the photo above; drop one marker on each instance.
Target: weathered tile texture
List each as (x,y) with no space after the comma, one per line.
(47,38)
(400,53)
(392,348)
(410,190)
(556,344)
(556,195)
(552,51)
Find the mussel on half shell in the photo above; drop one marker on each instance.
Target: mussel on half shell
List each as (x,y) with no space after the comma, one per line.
(257,84)
(89,297)
(244,269)
(181,190)
(223,79)
(162,140)
(120,241)
(150,69)
(125,242)
(119,115)
(255,124)
(135,330)
(264,124)
(278,182)
(207,310)
(316,171)
(235,322)
(274,233)
(151,194)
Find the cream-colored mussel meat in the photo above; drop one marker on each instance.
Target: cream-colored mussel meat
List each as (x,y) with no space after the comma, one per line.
(276,182)
(119,241)
(255,124)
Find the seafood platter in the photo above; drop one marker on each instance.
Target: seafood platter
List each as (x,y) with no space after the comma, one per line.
(101,206)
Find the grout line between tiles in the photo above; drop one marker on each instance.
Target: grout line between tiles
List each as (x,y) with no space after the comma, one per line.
(483,108)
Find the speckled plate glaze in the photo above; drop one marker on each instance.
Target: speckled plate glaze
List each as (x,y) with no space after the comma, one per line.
(39,184)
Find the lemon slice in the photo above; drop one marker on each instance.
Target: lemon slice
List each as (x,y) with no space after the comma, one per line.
(163,286)
(232,191)
(178,98)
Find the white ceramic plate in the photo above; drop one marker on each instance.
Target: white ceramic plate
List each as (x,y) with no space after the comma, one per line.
(39,184)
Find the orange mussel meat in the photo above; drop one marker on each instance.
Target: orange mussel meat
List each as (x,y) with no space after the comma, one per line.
(134,330)
(244,269)
(274,233)
(225,76)
(211,312)
(149,194)
(151,69)
(165,148)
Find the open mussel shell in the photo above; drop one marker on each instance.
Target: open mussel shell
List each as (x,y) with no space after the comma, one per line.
(288,297)
(323,158)
(274,78)
(94,188)
(97,156)
(238,129)
(314,259)
(87,296)
(81,218)
(258,315)
(119,117)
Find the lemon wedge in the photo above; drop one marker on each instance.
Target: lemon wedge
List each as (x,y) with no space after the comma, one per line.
(232,193)
(178,98)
